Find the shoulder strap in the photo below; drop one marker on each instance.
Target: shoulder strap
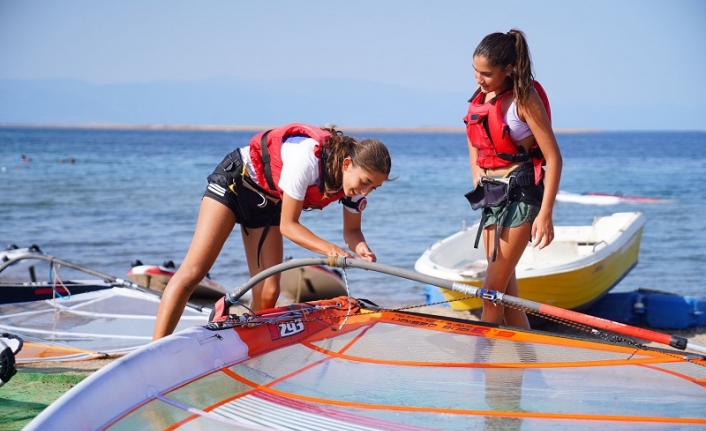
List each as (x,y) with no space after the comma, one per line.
(266,161)
(497,96)
(475,93)
(545,99)
(501,94)
(322,170)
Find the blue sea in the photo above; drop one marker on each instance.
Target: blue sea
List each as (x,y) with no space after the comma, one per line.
(104,198)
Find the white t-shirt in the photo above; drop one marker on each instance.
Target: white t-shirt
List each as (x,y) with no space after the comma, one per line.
(300,167)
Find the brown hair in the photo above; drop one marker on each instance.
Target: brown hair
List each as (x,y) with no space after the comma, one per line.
(510,49)
(369,154)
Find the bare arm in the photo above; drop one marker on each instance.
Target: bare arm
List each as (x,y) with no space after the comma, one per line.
(353,235)
(476,171)
(293,230)
(536,117)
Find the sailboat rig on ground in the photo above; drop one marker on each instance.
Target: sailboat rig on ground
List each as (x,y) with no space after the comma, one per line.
(346,364)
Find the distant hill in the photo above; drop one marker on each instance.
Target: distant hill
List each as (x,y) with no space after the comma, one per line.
(226,102)
(223,102)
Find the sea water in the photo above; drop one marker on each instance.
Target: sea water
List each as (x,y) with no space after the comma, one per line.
(104,198)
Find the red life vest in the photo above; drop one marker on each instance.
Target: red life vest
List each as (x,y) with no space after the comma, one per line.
(268,163)
(487,131)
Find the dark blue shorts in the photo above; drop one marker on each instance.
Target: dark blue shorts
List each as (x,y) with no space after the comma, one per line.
(253,207)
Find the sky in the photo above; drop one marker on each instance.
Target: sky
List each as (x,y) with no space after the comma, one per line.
(611,64)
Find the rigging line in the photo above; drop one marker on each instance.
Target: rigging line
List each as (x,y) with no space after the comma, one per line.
(348,294)
(54,279)
(52,274)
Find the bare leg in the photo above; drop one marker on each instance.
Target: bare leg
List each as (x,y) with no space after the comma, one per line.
(265,293)
(213,227)
(501,273)
(513,316)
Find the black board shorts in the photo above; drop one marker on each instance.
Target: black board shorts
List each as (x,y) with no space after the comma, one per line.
(253,207)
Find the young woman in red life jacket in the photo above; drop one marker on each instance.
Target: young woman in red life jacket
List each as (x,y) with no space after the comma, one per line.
(515,162)
(264,187)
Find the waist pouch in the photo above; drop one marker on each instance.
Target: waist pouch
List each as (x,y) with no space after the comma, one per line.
(489,193)
(518,187)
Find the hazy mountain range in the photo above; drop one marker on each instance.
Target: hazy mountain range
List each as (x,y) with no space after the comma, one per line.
(341,102)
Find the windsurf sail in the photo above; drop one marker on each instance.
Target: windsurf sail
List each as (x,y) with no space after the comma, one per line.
(94,324)
(112,318)
(346,364)
(300,368)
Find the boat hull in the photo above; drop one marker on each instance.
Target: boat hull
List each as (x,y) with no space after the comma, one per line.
(652,309)
(19,271)
(311,283)
(574,272)
(156,278)
(37,291)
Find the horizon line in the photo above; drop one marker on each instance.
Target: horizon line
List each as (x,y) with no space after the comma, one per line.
(254,128)
(250,128)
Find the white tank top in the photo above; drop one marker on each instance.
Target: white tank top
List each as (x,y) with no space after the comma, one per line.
(518,129)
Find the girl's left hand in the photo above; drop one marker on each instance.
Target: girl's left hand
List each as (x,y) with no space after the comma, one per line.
(365,253)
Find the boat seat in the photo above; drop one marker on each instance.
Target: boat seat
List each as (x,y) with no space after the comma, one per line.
(475,269)
(557,250)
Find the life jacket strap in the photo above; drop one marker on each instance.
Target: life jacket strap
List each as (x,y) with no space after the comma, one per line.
(515,158)
(266,229)
(322,170)
(498,228)
(265,154)
(500,219)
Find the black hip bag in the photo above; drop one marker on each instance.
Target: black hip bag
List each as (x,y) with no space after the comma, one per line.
(494,192)
(489,193)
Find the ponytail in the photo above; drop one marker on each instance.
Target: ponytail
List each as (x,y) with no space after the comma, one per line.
(339,147)
(522,75)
